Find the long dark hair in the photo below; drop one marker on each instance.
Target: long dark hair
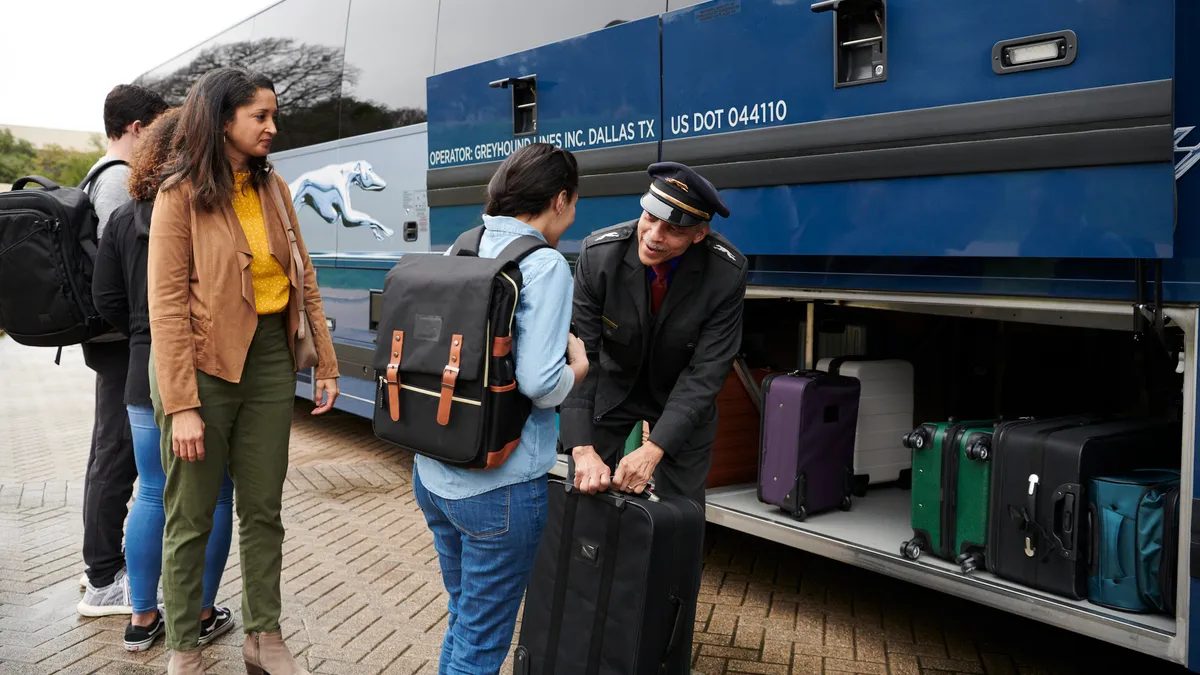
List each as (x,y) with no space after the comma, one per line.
(527,181)
(198,152)
(151,156)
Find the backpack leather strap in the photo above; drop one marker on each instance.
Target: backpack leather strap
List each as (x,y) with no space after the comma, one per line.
(501,347)
(393,375)
(449,379)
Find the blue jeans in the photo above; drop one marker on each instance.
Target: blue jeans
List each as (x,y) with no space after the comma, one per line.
(486,546)
(144,531)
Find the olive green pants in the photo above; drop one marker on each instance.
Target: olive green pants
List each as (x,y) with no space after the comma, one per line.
(246,426)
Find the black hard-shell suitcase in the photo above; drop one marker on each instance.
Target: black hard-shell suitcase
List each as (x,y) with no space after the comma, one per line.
(1037,531)
(613,590)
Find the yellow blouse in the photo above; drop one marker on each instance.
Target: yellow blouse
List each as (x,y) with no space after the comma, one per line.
(271,285)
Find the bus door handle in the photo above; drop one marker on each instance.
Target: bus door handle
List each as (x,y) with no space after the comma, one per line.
(835,5)
(510,81)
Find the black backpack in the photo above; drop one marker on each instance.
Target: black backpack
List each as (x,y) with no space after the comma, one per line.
(445,373)
(47,255)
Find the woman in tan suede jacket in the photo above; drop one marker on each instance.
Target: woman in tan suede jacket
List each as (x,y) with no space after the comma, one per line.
(224,303)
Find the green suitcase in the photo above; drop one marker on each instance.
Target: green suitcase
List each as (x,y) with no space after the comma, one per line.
(951,484)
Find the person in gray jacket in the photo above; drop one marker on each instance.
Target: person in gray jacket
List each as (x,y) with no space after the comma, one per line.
(658,305)
(108,482)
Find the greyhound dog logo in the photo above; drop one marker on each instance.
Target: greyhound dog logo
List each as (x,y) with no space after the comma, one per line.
(1192,156)
(726,251)
(608,235)
(327,191)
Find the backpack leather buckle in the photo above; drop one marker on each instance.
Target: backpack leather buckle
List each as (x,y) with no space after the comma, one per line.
(393,375)
(449,379)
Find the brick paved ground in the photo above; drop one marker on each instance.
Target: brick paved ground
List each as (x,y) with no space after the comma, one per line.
(362,591)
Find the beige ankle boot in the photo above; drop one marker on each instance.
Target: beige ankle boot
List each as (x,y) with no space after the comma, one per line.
(265,654)
(186,663)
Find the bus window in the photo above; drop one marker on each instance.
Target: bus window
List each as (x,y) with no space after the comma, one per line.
(470,31)
(174,78)
(389,53)
(299,44)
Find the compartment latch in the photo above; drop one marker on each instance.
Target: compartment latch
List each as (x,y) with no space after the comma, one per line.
(860,40)
(524,102)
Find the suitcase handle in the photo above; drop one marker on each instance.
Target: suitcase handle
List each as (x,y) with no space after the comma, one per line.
(1114,524)
(1066,505)
(676,627)
(618,499)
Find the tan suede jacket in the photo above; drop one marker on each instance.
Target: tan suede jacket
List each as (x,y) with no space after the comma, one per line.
(201,293)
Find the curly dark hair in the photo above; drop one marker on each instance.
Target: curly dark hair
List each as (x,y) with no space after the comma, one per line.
(150,158)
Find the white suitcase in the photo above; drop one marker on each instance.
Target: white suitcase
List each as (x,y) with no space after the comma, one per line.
(885,414)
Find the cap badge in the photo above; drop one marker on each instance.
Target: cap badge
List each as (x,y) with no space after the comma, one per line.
(677,183)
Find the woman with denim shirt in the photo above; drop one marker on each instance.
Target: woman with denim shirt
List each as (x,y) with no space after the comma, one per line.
(487,524)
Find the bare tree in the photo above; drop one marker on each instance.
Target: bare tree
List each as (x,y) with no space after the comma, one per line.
(304,75)
(313,84)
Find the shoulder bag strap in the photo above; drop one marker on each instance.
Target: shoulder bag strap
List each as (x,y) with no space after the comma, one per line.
(296,260)
(91,175)
(520,247)
(468,242)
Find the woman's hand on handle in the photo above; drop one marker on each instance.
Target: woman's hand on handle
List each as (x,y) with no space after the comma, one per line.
(327,389)
(187,435)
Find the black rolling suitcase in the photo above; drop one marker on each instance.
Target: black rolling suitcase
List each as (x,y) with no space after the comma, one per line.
(1037,533)
(613,590)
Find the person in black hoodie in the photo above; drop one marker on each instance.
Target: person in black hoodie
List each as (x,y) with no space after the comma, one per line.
(119,291)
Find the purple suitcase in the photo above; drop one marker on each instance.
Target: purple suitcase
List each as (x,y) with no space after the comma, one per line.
(806,461)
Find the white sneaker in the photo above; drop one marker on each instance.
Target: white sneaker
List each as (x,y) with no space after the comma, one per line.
(111,600)
(83,580)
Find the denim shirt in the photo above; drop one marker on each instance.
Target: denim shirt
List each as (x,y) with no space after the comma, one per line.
(543,320)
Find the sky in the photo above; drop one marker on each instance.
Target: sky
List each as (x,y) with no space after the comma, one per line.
(75,51)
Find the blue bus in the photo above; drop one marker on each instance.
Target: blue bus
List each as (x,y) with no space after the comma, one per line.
(1004,197)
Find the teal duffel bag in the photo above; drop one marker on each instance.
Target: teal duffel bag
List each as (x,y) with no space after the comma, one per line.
(1134,527)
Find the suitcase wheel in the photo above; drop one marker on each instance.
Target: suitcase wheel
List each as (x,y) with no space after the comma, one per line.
(980,451)
(845,505)
(904,482)
(521,661)
(911,549)
(800,513)
(969,562)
